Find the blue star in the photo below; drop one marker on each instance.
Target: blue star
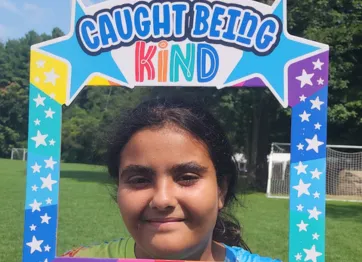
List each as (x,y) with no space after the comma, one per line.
(82,65)
(272,68)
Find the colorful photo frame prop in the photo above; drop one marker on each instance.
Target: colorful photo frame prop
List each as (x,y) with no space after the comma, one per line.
(179,43)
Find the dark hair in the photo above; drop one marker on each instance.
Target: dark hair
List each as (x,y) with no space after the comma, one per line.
(203,126)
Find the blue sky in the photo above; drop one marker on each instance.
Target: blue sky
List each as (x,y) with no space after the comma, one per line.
(17,17)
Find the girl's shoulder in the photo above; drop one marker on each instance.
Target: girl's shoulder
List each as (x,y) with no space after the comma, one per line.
(120,248)
(238,254)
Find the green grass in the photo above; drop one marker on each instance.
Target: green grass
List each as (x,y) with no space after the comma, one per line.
(89,215)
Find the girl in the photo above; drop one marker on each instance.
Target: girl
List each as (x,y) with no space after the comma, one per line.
(175,174)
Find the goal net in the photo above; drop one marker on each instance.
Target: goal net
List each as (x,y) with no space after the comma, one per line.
(19,154)
(344,172)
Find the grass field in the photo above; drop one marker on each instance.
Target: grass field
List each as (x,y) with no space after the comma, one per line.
(89,215)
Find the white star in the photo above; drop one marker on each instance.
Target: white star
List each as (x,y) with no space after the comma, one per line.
(48,201)
(302,98)
(302,226)
(300,146)
(316,194)
(36,168)
(51,77)
(32,227)
(45,219)
(314,144)
(35,245)
(47,248)
(39,139)
(34,188)
(305,116)
(314,213)
(40,63)
(315,236)
(48,182)
(49,113)
(320,81)
(316,103)
(298,256)
(300,207)
(315,173)
(37,122)
(52,95)
(305,79)
(318,64)
(35,206)
(302,188)
(37,79)
(317,126)
(50,163)
(301,168)
(312,254)
(52,142)
(39,100)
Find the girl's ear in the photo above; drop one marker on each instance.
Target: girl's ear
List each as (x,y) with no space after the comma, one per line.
(222,193)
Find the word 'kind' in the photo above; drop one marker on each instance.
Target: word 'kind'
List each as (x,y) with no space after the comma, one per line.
(171,61)
(218,23)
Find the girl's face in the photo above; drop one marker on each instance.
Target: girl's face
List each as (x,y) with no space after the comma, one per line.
(168,194)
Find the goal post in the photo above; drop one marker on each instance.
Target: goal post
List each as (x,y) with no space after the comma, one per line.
(343,172)
(19,154)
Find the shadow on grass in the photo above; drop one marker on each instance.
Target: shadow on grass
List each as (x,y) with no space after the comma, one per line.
(345,211)
(87,176)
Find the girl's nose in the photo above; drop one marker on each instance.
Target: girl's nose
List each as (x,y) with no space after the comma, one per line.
(164,195)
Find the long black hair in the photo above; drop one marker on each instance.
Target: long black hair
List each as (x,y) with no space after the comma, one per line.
(192,118)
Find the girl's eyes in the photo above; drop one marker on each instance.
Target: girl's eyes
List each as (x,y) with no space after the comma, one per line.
(182,180)
(187,180)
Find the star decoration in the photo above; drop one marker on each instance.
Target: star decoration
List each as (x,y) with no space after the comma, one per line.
(315,173)
(47,248)
(52,95)
(300,207)
(317,126)
(302,98)
(301,168)
(315,236)
(32,227)
(305,116)
(48,182)
(318,64)
(52,142)
(320,81)
(48,201)
(314,213)
(305,79)
(302,188)
(50,163)
(35,245)
(34,188)
(312,254)
(37,122)
(316,195)
(298,256)
(35,206)
(36,168)
(316,103)
(51,77)
(302,226)
(37,79)
(49,113)
(45,218)
(314,144)
(39,139)
(40,63)
(300,146)
(39,100)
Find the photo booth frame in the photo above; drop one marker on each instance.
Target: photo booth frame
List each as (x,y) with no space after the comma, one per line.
(180,43)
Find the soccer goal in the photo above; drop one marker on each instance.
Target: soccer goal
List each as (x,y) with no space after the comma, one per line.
(19,154)
(344,172)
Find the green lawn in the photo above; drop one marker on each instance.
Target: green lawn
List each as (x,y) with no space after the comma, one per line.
(86,189)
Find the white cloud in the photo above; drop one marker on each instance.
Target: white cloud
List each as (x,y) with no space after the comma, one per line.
(9,6)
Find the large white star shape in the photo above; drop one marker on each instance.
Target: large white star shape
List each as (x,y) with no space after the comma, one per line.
(320,81)
(302,98)
(39,100)
(51,77)
(47,248)
(52,142)
(48,182)
(301,168)
(305,116)
(300,146)
(318,64)
(39,139)
(48,201)
(35,245)
(312,254)
(305,79)
(37,122)
(49,113)
(35,206)
(317,126)
(315,236)
(34,188)
(302,226)
(45,218)
(316,194)
(315,173)
(300,207)
(36,168)
(40,63)
(32,227)
(298,257)
(314,213)
(314,144)
(50,163)
(302,188)
(316,103)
